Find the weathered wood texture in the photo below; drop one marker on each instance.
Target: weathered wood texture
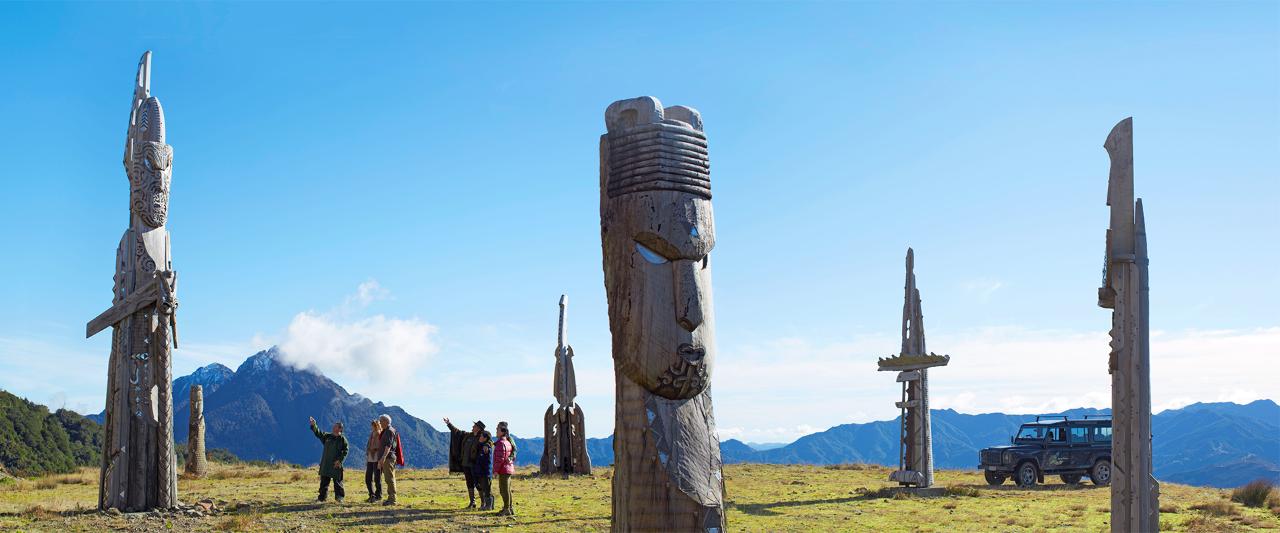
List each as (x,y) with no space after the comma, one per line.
(1135,493)
(139,466)
(565,442)
(657,232)
(197,463)
(915,451)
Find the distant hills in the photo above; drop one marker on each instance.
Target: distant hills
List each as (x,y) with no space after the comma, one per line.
(259,411)
(34,441)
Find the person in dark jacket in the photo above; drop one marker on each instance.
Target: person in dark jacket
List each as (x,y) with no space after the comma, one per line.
(387,461)
(335,451)
(462,454)
(483,470)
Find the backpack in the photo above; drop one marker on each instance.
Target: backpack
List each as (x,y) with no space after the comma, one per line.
(399,451)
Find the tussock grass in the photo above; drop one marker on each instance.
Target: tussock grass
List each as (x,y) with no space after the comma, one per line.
(772,498)
(240,522)
(962,491)
(1218,508)
(1254,493)
(851,466)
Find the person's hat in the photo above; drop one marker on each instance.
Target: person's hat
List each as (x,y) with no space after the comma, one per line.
(480,424)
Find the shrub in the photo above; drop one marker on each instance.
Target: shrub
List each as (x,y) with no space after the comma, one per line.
(240,522)
(1254,493)
(1169,508)
(962,490)
(849,466)
(1218,508)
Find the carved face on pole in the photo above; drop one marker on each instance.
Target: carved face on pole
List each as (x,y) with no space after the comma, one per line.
(147,159)
(658,232)
(151,169)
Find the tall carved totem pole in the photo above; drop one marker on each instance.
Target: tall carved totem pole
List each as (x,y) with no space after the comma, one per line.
(657,232)
(1135,494)
(565,450)
(197,462)
(139,468)
(915,448)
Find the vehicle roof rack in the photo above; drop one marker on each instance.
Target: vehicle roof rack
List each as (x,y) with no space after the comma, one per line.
(1096,417)
(1038,417)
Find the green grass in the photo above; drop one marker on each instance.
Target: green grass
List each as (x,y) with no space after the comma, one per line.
(761,498)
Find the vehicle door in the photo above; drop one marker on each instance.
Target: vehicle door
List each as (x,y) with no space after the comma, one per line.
(1101,437)
(1057,452)
(1081,450)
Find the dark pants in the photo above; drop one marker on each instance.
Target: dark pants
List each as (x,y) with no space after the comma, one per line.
(372,480)
(484,487)
(471,483)
(504,487)
(338,491)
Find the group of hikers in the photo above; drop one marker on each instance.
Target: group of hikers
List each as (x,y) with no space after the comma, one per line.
(476,454)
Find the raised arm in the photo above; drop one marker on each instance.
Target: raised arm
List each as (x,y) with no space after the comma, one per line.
(316,430)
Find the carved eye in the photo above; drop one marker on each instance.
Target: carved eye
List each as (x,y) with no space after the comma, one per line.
(650,255)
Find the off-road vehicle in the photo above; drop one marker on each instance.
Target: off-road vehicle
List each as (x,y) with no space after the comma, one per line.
(1069,448)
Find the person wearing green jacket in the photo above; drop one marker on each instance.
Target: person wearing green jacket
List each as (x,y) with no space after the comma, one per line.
(335,451)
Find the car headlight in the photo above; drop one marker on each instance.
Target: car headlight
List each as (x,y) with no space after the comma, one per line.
(1007,457)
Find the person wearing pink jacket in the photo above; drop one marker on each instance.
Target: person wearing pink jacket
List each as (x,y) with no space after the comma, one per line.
(504,464)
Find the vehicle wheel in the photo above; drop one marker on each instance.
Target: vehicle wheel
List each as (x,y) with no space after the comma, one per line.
(1100,474)
(994,479)
(1071,479)
(1027,475)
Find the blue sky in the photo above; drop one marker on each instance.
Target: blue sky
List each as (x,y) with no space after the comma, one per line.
(426,174)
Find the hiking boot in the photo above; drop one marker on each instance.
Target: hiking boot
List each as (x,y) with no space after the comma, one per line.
(339,499)
(471,505)
(390,501)
(373,499)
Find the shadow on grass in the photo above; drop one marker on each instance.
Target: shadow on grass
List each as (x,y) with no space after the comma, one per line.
(559,520)
(297,507)
(767,509)
(1037,488)
(392,515)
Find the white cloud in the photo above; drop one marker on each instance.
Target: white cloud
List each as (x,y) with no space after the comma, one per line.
(1008,369)
(375,349)
(982,288)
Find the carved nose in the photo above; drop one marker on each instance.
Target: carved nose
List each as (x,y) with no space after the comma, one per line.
(688,294)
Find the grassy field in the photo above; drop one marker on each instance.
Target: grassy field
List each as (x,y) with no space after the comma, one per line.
(761,498)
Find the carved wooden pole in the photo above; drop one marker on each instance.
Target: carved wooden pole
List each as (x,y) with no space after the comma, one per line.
(565,442)
(1135,493)
(657,232)
(915,448)
(139,467)
(197,463)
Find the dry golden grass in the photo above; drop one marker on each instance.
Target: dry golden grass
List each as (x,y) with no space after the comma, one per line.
(760,498)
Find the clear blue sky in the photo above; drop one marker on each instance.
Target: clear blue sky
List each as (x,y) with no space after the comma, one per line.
(449,152)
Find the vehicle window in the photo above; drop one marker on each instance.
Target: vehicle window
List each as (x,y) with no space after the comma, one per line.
(1079,435)
(1058,434)
(1102,434)
(1031,433)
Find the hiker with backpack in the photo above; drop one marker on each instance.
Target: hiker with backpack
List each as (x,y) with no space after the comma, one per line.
(462,454)
(392,455)
(335,451)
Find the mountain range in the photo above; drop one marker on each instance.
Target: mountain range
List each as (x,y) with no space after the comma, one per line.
(259,411)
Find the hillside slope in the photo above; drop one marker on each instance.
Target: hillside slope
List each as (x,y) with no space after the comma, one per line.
(34,441)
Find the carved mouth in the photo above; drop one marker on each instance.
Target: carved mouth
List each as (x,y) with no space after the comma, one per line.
(691,353)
